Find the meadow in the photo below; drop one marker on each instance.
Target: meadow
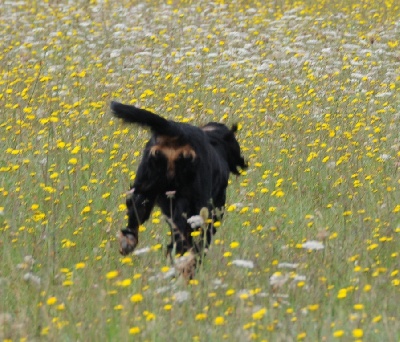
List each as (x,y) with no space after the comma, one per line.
(309,246)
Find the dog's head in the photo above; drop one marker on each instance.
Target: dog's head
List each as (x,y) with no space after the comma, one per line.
(224,140)
(235,158)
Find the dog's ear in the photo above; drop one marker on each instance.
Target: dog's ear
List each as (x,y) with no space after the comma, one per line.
(232,148)
(229,135)
(234,128)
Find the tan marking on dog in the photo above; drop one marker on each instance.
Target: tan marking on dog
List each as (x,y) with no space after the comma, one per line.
(170,148)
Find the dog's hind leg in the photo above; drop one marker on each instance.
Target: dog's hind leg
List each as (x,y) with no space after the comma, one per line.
(139,209)
(176,235)
(216,208)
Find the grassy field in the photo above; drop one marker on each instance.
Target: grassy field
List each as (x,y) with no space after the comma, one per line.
(309,247)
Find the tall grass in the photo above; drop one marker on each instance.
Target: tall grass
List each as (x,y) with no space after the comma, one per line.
(309,248)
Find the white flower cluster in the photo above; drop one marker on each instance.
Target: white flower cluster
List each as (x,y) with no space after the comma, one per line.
(243,263)
(195,221)
(313,245)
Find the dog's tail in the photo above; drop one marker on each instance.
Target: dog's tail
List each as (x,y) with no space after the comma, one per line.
(157,124)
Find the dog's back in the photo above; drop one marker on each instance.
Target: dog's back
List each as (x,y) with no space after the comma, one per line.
(219,136)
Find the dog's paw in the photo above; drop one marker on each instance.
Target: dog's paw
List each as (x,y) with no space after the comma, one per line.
(127,242)
(186,266)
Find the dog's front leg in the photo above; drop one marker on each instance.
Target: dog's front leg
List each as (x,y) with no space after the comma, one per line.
(180,230)
(182,239)
(139,208)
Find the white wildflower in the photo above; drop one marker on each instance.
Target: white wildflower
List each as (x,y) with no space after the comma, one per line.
(384,156)
(278,279)
(195,221)
(181,296)
(243,293)
(287,265)
(387,94)
(162,289)
(299,277)
(170,194)
(243,263)
(142,251)
(30,277)
(170,273)
(313,245)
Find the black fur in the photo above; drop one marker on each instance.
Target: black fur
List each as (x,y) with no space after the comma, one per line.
(191,162)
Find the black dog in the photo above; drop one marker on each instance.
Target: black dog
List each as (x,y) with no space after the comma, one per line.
(184,169)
